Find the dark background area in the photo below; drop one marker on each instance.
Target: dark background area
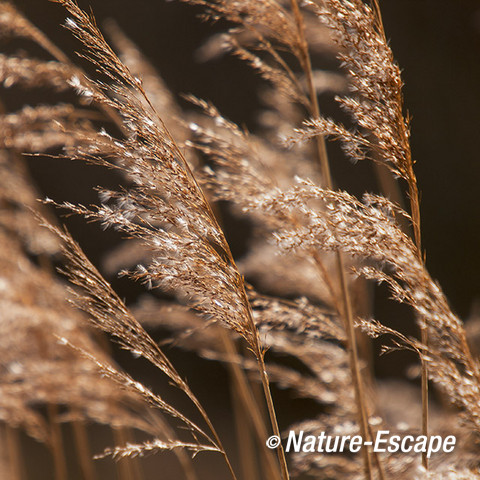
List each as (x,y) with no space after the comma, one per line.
(436,43)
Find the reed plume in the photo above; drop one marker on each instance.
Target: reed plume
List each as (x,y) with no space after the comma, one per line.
(280,319)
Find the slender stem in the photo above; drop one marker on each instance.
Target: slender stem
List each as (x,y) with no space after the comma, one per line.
(259,354)
(355,365)
(376,458)
(246,446)
(55,440)
(345,295)
(415,211)
(56,443)
(83,448)
(186,389)
(315,109)
(326,278)
(13,451)
(248,401)
(207,420)
(273,416)
(424,397)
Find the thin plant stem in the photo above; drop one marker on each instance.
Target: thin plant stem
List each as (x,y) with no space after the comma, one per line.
(83,448)
(259,354)
(56,444)
(248,400)
(273,417)
(376,458)
(354,363)
(414,200)
(345,295)
(214,433)
(246,446)
(13,452)
(424,334)
(415,211)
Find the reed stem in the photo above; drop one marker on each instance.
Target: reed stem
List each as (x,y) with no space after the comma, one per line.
(83,448)
(248,401)
(13,452)
(56,443)
(345,295)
